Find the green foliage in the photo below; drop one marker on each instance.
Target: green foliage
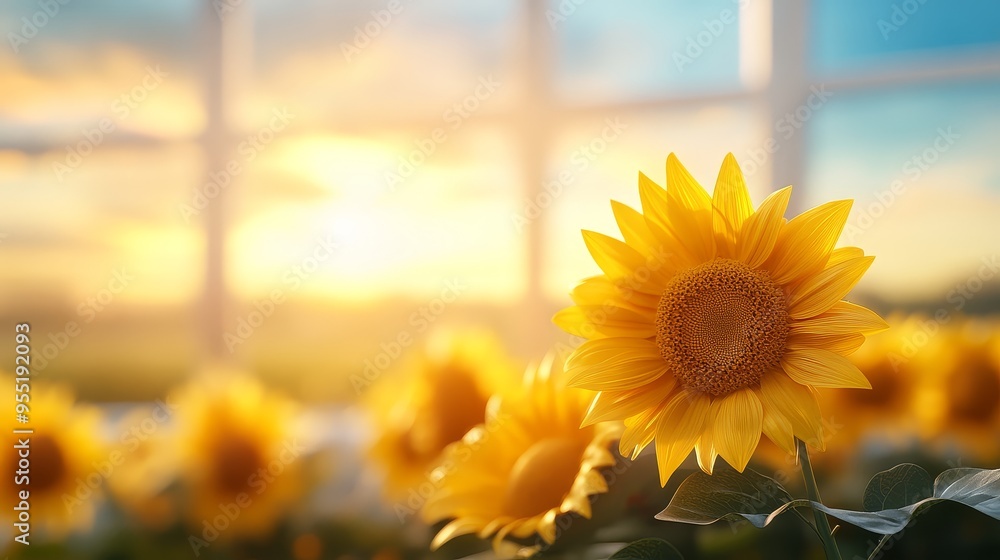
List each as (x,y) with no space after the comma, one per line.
(648,549)
(702,499)
(898,487)
(891,499)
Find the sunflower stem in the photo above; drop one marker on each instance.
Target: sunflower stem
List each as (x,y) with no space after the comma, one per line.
(812,491)
(878,548)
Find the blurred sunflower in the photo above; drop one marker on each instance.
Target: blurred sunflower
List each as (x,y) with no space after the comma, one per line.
(433,399)
(888,409)
(239,450)
(960,401)
(529,462)
(64,485)
(714,323)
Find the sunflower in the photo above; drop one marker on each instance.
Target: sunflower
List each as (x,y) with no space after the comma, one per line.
(714,323)
(433,400)
(888,409)
(960,399)
(240,455)
(527,463)
(64,483)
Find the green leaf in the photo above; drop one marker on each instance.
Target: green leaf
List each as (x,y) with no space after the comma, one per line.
(704,503)
(648,549)
(702,499)
(898,487)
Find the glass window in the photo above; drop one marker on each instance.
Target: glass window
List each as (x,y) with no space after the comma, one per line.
(599,160)
(395,60)
(921,164)
(402,221)
(854,34)
(653,48)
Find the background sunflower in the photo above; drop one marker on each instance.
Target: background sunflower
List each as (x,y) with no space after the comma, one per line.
(241,456)
(66,482)
(431,400)
(527,463)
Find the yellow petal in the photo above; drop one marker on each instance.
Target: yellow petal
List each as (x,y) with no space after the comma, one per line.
(682,186)
(621,262)
(456,528)
(547,526)
(778,429)
(618,405)
(731,202)
(843,317)
(842,254)
(796,403)
(615,364)
(690,211)
(596,321)
(704,449)
(807,240)
(639,432)
(653,199)
(822,368)
(681,424)
(737,428)
(819,292)
(843,344)
(760,231)
(600,290)
(634,229)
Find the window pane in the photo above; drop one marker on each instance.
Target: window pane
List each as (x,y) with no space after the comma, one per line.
(937,147)
(858,33)
(63,74)
(401,227)
(107,250)
(609,51)
(596,169)
(364,63)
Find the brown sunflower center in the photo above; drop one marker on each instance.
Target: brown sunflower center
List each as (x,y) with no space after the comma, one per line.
(237,458)
(887,387)
(721,325)
(456,405)
(542,477)
(974,392)
(48,463)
